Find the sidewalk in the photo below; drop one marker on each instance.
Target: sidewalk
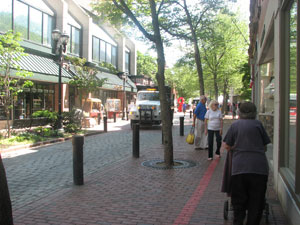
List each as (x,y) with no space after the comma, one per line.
(127,192)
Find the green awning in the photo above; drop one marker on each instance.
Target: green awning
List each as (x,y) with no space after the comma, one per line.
(113,82)
(43,69)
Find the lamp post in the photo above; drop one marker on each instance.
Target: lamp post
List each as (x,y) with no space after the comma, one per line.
(61,41)
(123,76)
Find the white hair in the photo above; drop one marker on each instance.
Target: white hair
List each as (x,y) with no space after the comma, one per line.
(202,97)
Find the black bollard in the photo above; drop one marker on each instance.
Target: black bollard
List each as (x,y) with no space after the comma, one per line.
(162,137)
(127,115)
(105,123)
(136,140)
(191,114)
(99,118)
(181,126)
(115,117)
(77,142)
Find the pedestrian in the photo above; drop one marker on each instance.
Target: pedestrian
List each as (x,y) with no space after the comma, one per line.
(198,123)
(184,108)
(5,202)
(247,139)
(213,126)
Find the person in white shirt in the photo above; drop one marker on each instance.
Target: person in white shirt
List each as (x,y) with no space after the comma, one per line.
(213,125)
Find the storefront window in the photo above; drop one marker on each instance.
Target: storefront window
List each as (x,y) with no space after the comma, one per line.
(2,109)
(292,109)
(267,88)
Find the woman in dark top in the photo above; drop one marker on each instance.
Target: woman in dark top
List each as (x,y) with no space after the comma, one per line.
(247,139)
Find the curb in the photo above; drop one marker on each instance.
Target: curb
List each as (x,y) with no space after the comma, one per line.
(43,143)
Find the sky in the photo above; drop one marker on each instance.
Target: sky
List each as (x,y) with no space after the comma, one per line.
(172,54)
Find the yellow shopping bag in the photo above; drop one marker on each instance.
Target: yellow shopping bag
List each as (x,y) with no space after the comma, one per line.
(191,137)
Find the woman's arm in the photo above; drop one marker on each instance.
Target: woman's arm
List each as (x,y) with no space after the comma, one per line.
(205,126)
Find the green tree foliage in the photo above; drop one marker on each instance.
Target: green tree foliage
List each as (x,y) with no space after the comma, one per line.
(147,17)
(12,77)
(85,80)
(185,20)
(146,65)
(224,52)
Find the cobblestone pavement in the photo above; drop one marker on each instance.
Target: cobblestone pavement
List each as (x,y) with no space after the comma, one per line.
(118,189)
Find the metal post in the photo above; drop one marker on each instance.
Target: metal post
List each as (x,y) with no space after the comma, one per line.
(77,142)
(136,140)
(162,136)
(59,86)
(124,99)
(115,117)
(181,126)
(99,118)
(105,123)
(191,114)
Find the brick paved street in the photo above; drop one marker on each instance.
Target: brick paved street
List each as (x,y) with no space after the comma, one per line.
(118,189)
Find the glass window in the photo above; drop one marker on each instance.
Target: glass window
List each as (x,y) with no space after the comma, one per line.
(267,84)
(96,49)
(127,62)
(114,56)
(102,50)
(74,44)
(35,27)
(108,53)
(47,29)
(6,15)
(292,88)
(21,18)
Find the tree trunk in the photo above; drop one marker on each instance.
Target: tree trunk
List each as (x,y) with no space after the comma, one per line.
(225,98)
(5,203)
(199,66)
(165,104)
(216,86)
(196,50)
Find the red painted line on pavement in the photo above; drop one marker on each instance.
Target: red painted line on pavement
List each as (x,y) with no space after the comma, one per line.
(190,207)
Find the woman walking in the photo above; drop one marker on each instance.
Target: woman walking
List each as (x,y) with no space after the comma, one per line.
(247,139)
(213,126)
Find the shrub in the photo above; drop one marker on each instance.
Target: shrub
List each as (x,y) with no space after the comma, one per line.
(51,116)
(72,121)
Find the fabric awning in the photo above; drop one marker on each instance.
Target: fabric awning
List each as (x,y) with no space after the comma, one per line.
(43,69)
(113,81)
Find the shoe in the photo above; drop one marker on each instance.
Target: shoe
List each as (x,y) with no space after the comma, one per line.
(198,148)
(209,159)
(218,155)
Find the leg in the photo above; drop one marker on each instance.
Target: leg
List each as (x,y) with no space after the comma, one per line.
(219,141)
(203,139)
(210,143)
(257,191)
(239,198)
(197,134)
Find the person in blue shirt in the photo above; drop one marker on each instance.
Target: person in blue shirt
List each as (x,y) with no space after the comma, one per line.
(198,123)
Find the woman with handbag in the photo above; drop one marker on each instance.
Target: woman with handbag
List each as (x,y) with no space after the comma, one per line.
(213,126)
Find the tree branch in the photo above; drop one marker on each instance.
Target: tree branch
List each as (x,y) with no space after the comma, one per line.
(124,8)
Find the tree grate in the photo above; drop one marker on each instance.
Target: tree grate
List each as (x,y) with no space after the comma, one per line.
(160,164)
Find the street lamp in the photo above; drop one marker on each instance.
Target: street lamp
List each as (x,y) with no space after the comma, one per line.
(61,41)
(123,76)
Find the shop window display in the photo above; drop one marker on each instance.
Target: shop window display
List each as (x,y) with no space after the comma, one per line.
(291,163)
